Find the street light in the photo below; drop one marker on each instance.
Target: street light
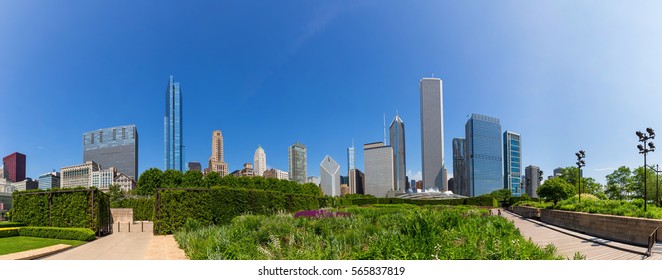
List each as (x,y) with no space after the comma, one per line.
(580,163)
(643,149)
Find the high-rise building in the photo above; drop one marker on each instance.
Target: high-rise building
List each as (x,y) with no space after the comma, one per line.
(378,169)
(558,172)
(14,167)
(173,127)
(459,167)
(532,180)
(356,181)
(79,175)
(313,180)
(451,185)
(260,161)
(483,154)
(512,163)
(276,173)
(432,134)
(216,161)
(297,162)
(26,185)
(330,176)
(50,180)
(195,166)
(102,179)
(113,147)
(351,161)
(397,138)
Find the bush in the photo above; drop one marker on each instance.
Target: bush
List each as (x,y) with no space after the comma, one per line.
(11,224)
(8,232)
(143,207)
(83,234)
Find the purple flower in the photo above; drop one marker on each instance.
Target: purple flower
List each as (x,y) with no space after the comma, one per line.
(320,214)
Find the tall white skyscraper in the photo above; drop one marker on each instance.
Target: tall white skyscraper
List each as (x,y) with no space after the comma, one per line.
(351,161)
(260,161)
(378,164)
(397,138)
(330,176)
(432,134)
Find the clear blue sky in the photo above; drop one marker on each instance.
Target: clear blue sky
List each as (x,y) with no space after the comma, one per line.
(567,75)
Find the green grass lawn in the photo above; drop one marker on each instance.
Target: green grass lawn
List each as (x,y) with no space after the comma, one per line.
(16,244)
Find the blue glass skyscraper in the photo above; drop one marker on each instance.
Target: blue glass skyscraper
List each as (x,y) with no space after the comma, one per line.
(512,163)
(484,157)
(172,123)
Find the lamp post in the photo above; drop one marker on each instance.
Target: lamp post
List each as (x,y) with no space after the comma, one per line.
(580,163)
(657,183)
(644,149)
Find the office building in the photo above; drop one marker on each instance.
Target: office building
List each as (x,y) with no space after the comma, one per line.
(459,167)
(173,127)
(297,162)
(451,185)
(113,147)
(330,176)
(533,179)
(248,170)
(432,134)
(195,166)
(49,181)
(276,173)
(351,161)
(260,161)
(344,189)
(397,138)
(216,161)
(356,181)
(313,180)
(512,163)
(2,171)
(78,175)
(26,185)
(558,172)
(378,164)
(483,154)
(14,167)
(125,182)
(102,179)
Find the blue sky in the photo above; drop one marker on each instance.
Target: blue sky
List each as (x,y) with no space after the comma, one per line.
(567,75)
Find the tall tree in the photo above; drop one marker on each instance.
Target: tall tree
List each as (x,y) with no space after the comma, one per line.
(172,178)
(193,179)
(619,184)
(212,179)
(570,174)
(149,181)
(555,189)
(638,183)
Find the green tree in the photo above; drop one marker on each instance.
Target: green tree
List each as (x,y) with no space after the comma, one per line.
(619,184)
(212,179)
(149,181)
(172,178)
(502,195)
(638,183)
(193,179)
(555,189)
(570,174)
(116,194)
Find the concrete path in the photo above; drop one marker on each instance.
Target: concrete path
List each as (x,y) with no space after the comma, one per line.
(569,242)
(124,245)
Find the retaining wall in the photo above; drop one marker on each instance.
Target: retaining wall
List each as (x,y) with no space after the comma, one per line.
(122,215)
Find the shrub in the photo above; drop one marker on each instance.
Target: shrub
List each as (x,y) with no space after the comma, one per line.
(8,232)
(11,224)
(143,207)
(83,234)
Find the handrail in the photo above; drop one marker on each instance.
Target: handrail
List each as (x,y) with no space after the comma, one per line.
(652,238)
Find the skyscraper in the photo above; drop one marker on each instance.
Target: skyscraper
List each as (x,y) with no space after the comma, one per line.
(297,162)
(260,161)
(397,138)
(330,176)
(14,167)
(113,147)
(483,154)
(216,162)
(173,127)
(512,163)
(378,169)
(195,166)
(532,180)
(432,134)
(459,167)
(50,180)
(351,161)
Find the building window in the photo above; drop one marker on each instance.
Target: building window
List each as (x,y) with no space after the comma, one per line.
(114,134)
(92,139)
(123,133)
(100,136)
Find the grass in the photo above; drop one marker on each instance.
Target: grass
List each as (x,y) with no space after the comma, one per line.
(592,204)
(16,244)
(379,232)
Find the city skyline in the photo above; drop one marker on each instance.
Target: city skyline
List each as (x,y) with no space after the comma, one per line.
(547,70)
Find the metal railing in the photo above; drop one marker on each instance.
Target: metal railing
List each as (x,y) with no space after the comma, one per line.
(652,239)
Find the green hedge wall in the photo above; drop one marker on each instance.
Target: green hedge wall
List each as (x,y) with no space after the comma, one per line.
(10,224)
(83,234)
(219,205)
(8,232)
(76,208)
(143,207)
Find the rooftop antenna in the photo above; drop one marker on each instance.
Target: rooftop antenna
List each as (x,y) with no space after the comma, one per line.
(384,129)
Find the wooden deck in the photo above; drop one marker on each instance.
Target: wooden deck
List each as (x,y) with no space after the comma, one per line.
(569,242)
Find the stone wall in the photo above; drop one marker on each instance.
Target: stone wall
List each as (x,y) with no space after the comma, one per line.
(618,228)
(526,212)
(122,215)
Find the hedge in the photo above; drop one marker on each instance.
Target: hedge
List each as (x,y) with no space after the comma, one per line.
(77,208)
(11,224)
(83,234)
(143,207)
(8,232)
(219,205)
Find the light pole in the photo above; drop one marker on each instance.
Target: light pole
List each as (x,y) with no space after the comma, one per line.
(580,163)
(644,149)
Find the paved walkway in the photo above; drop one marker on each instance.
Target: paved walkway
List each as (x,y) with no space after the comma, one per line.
(124,245)
(569,242)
